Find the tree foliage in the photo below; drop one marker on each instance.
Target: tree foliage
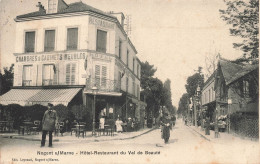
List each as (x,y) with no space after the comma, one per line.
(183,104)
(193,82)
(244,18)
(6,79)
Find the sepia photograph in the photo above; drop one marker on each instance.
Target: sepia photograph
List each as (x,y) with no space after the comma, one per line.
(129,81)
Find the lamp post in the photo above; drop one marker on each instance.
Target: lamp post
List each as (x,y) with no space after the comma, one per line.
(94,91)
(196,102)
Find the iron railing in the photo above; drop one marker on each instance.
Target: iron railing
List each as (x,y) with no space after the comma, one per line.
(103,84)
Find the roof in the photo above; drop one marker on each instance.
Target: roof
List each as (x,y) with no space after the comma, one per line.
(232,71)
(73,7)
(39,96)
(212,76)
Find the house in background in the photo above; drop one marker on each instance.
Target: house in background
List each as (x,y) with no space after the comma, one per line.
(236,89)
(64,50)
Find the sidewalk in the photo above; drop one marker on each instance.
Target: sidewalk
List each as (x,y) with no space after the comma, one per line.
(67,137)
(224,137)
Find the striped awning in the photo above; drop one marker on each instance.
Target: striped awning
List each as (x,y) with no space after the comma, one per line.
(28,97)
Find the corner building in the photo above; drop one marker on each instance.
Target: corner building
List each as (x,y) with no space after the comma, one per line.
(65,50)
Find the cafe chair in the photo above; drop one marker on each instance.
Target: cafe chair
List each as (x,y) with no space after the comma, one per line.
(81,129)
(73,128)
(36,127)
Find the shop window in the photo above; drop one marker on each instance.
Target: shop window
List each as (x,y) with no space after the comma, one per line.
(120,49)
(72,39)
(49,41)
(101,76)
(49,75)
(70,73)
(29,41)
(27,75)
(101,41)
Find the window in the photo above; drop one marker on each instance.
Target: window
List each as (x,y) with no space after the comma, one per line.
(49,74)
(27,75)
(49,41)
(126,84)
(127,57)
(133,84)
(70,73)
(245,88)
(72,39)
(52,6)
(101,76)
(120,49)
(29,41)
(101,41)
(133,65)
(138,70)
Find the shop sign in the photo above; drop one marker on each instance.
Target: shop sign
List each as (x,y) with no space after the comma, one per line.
(101,23)
(51,57)
(99,56)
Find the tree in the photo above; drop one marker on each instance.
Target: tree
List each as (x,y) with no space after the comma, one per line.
(244,18)
(147,72)
(193,82)
(6,79)
(183,104)
(167,97)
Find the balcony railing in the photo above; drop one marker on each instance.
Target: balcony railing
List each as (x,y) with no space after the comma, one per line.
(105,85)
(48,82)
(27,82)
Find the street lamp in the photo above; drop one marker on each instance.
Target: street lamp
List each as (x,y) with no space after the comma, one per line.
(94,91)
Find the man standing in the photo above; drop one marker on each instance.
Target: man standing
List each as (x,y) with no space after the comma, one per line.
(49,121)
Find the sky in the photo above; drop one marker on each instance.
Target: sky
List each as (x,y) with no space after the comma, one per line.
(173,35)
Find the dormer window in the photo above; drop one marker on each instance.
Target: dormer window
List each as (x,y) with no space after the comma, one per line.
(52,6)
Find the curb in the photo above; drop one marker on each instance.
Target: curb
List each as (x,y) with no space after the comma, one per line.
(199,134)
(95,140)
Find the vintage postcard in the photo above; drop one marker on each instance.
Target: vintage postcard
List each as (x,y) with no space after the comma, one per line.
(129,81)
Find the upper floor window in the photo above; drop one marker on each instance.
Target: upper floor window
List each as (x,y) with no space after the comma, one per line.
(127,57)
(70,73)
(245,88)
(101,75)
(29,42)
(101,41)
(27,75)
(133,65)
(49,41)
(120,49)
(49,74)
(72,38)
(126,84)
(52,6)
(138,70)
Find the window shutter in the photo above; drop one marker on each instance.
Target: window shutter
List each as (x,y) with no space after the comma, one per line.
(34,74)
(73,73)
(55,74)
(104,76)
(67,74)
(97,75)
(18,75)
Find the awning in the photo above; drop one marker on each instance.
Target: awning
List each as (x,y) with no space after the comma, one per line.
(104,93)
(39,96)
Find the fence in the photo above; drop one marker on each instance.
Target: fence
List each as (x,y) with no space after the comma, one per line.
(245,125)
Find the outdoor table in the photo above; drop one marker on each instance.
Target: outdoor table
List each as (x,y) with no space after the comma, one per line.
(79,128)
(26,126)
(3,125)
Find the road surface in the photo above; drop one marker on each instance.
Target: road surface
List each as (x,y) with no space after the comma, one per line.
(185,146)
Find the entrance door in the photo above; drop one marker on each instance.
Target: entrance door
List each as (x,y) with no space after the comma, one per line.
(100,106)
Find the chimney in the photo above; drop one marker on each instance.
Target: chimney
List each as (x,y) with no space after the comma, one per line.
(41,7)
(120,17)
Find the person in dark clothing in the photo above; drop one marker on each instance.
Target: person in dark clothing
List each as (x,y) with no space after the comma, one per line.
(49,121)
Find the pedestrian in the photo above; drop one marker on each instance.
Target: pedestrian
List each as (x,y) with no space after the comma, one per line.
(119,125)
(49,121)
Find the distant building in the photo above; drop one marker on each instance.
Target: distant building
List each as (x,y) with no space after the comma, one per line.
(65,50)
(233,90)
